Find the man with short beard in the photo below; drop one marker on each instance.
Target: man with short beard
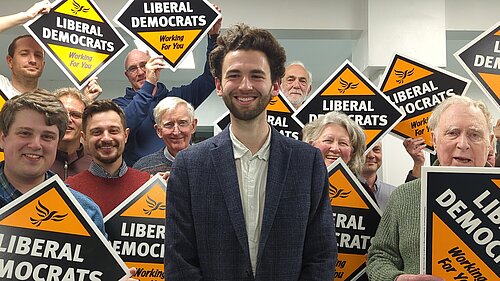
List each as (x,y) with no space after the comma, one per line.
(296,84)
(249,203)
(108,181)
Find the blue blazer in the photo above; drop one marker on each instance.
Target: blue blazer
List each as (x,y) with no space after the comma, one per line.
(205,233)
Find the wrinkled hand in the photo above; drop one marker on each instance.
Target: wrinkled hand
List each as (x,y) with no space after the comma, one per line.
(42,7)
(153,68)
(412,277)
(415,148)
(92,91)
(216,27)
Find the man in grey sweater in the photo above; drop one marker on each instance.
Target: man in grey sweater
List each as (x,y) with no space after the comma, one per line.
(461,131)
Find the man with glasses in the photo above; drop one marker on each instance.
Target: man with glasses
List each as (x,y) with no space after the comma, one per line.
(143,73)
(175,124)
(71,158)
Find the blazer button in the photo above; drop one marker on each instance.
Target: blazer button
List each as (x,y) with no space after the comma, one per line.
(249,272)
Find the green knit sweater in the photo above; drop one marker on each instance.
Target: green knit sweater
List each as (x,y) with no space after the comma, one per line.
(395,249)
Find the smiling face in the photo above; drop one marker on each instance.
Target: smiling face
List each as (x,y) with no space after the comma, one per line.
(334,142)
(462,137)
(176,129)
(246,85)
(27,61)
(373,160)
(29,147)
(105,138)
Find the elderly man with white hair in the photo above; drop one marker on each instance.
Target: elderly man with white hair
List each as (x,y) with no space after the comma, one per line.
(461,131)
(175,124)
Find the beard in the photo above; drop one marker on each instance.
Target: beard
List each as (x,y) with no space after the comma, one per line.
(248,114)
(109,158)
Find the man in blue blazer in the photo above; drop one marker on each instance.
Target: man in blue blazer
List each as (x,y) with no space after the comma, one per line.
(249,203)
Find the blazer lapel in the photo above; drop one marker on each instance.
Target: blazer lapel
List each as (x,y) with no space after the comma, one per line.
(222,158)
(279,159)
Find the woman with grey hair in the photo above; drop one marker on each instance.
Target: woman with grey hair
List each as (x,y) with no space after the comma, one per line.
(337,135)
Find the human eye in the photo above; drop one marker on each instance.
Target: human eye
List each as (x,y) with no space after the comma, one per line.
(475,136)
(344,143)
(49,137)
(168,125)
(75,114)
(114,130)
(452,133)
(327,141)
(132,69)
(183,123)
(303,81)
(96,132)
(23,133)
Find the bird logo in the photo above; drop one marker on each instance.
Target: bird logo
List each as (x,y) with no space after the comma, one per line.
(78,8)
(403,74)
(347,85)
(46,215)
(153,206)
(273,101)
(337,193)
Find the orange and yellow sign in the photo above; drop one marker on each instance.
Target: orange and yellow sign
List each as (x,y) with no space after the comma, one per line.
(45,234)
(356,220)
(78,37)
(349,91)
(481,59)
(136,229)
(170,28)
(460,225)
(417,89)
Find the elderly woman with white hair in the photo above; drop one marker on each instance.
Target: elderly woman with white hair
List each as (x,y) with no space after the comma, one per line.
(337,135)
(461,131)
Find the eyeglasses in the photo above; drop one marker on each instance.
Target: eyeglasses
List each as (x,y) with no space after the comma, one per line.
(75,114)
(134,68)
(182,124)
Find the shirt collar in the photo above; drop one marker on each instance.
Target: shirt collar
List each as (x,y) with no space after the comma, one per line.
(99,171)
(7,191)
(376,184)
(240,149)
(168,155)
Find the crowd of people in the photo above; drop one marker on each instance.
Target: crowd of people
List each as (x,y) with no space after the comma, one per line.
(246,204)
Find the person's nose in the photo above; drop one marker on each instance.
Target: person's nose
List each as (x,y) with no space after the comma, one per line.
(36,143)
(246,84)
(463,142)
(106,136)
(335,147)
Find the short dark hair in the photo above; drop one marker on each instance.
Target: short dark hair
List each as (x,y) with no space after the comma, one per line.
(243,37)
(40,101)
(99,106)
(12,45)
